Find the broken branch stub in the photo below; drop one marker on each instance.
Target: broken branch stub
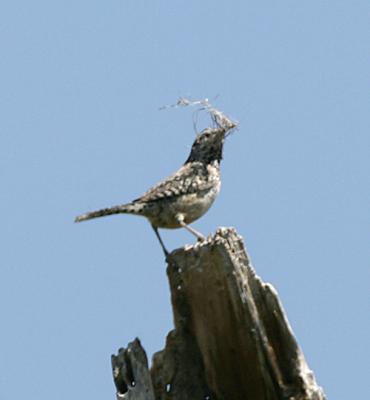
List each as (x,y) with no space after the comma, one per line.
(131,374)
(231,339)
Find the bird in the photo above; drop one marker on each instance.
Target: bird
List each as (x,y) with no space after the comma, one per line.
(184,196)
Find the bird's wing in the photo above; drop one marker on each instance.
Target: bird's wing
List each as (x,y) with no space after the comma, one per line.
(190,178)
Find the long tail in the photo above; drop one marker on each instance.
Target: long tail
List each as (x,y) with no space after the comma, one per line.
(131,208)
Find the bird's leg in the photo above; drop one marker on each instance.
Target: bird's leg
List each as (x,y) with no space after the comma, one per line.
(155,229)
(180,219)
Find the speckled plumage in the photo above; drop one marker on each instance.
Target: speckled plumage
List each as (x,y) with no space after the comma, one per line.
(184,196)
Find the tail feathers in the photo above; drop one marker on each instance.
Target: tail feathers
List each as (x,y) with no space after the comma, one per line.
(131,208)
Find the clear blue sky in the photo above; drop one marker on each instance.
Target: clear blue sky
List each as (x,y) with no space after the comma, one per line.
(80,87)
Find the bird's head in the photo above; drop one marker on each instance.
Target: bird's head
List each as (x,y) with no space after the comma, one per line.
(208,146)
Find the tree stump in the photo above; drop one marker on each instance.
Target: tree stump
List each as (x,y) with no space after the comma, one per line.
(231,340)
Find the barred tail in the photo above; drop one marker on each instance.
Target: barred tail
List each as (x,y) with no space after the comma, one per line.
(131,208)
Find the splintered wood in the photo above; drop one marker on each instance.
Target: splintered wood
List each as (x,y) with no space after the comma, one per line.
(231,339)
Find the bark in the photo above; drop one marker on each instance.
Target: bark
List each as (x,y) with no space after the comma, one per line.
(231,339)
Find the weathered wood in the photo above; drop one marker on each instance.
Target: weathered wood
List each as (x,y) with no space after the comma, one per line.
(131,374)
(231,339)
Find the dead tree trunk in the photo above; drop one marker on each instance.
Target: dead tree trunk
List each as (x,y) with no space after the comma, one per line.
(231,339)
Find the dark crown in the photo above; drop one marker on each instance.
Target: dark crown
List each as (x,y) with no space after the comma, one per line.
(208,146)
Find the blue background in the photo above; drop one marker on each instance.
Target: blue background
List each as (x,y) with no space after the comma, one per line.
(80,87)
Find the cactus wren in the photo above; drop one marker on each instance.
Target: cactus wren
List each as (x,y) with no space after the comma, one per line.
(183,197)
